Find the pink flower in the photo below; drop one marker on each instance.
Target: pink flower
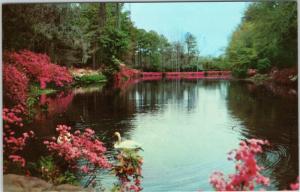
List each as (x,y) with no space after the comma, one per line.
(89,131)
(18,159)
(74,147)
(12,144)
(85,169)
(247,170)
(39,67)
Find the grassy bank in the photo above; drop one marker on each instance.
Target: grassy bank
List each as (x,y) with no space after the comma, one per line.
(87,76)
(89,79)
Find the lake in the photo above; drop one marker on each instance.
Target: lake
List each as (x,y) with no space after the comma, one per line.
(186,127)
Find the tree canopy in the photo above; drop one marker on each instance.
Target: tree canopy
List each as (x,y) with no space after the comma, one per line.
(266,37)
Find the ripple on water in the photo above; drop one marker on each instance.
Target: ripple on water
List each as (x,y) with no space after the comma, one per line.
(275,155)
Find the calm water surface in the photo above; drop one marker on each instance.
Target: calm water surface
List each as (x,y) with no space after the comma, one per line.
(185,127)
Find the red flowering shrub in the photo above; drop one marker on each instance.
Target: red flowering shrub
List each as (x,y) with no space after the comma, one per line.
(79,146)
(125,74)
(39,68)
(247,170)
(15,84)
(13,142)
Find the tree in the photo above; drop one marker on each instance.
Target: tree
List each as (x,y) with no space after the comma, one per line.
(266,37)
(191,45)
(179,51)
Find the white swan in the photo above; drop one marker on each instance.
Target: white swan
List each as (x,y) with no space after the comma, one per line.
(127,144)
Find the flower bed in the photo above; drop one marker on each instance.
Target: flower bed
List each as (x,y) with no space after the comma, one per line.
(38,68)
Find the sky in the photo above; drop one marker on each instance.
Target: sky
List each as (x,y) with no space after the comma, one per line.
(211,22)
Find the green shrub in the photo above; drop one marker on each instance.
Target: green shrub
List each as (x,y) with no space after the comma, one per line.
(191,67)
(50,172)
(112,67)
(90,79)
(263,65)
(240,72)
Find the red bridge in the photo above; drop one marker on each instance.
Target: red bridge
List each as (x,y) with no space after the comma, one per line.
(188,75)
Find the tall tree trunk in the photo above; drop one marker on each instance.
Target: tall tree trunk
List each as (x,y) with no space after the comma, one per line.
(94,56)
(118,19)
(188,55)
(101,23)
(102,15)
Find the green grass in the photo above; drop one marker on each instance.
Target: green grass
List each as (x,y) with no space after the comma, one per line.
(90,79)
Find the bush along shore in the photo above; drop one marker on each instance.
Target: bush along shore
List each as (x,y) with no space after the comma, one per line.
(282,82)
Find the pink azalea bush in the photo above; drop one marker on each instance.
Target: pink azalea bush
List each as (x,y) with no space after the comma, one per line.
(38,68)
(15,85)
(79,146)
(125,74)
(247,171)
(14,141)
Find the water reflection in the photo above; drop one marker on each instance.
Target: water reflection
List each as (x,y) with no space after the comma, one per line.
(50,108)
(186,127)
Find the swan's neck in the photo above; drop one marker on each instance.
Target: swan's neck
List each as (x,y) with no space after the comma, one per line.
(119,138)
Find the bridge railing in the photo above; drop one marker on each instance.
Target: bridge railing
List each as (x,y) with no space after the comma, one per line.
(187,74)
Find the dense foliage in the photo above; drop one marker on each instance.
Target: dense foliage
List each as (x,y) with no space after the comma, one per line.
(95,35)
(266,38)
